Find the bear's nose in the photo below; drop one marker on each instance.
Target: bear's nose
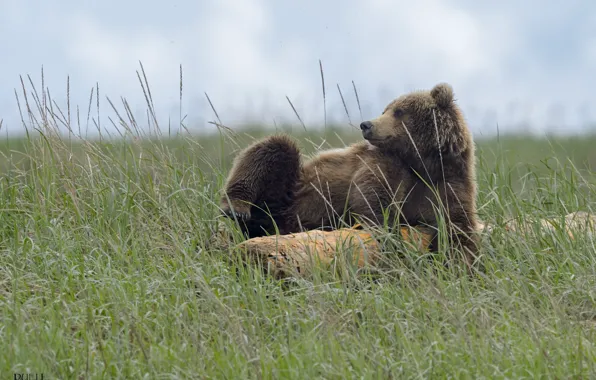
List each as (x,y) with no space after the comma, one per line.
(366,125)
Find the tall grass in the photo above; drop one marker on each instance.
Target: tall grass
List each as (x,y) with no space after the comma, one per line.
(105,271)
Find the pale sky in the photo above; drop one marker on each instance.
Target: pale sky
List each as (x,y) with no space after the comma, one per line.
(509,62)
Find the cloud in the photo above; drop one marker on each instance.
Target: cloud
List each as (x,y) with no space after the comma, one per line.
(113,57)
(237,61)
(507,62)
(222,52)
(427,36)
(413,45)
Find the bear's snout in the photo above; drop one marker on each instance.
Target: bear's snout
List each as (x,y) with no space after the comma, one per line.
(366,125)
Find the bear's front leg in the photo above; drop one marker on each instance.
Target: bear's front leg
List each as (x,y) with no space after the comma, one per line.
(371,196)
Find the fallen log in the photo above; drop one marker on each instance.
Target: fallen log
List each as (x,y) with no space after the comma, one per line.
(298,253)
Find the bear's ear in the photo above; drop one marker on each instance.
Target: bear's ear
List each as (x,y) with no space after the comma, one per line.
(442,93)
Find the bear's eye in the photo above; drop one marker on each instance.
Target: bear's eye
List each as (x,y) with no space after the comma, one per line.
(398,112)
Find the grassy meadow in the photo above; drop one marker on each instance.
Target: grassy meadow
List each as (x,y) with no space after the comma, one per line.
(104,271)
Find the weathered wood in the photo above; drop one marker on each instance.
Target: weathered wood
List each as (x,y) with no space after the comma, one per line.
(297,254)
(286,255)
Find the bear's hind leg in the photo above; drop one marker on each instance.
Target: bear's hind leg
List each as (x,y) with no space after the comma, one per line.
(260,186)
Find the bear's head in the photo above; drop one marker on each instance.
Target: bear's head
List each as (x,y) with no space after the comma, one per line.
(421,124)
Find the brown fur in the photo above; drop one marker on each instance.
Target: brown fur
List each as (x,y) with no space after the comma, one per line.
(400,167)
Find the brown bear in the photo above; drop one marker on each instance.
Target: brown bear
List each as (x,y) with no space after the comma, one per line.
(416,166)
